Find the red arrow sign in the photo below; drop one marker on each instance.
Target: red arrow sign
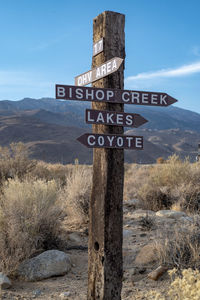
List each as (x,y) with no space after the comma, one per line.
(70,92)
(93,140)
(93,116)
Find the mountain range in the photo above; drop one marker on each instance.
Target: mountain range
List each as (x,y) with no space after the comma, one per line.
(50,128)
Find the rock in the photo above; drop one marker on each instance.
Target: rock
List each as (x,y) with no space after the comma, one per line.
(132,203)
(186,219)
(139,213)
(49,263)
(5,282)
(173,214)
(156,274)
(64,295)
(36,293)
(147,255)
(138,270)
(74,237)
(127,233)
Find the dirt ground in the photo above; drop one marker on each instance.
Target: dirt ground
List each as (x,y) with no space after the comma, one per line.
(135,281)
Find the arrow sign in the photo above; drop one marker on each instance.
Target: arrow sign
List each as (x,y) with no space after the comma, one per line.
(113,118)
(103,70)
(70,92)
(93,140)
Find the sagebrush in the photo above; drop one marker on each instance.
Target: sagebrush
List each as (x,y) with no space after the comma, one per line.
(30,220)
(184,286)
(76,193)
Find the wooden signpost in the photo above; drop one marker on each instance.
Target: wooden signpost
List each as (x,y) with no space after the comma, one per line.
(105,267)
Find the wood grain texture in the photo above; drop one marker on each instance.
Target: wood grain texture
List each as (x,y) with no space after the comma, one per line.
(105,268)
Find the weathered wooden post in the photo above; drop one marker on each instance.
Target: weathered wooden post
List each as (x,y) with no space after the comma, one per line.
(105,268)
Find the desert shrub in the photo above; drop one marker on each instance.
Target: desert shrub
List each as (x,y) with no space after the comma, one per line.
(15,161)
(154,198)
(187,196)
(181,248)
(47,171)
(169,183)
(147,223)
(172,173)
(184,286)
(30,216)
(135,177)
(76,194)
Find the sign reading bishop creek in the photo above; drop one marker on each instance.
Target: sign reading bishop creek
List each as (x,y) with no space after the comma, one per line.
(70,92)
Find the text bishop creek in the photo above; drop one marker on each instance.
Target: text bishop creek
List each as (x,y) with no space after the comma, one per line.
(109,95)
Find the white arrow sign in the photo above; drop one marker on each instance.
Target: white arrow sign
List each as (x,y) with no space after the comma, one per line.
(103,70)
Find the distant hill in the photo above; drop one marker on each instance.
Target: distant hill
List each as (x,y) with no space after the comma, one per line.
(50,128)
(158,117)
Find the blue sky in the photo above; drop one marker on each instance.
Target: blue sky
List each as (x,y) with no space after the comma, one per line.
(48,42)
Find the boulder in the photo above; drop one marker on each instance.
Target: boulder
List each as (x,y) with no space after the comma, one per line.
(147,255)
(140,213)
(65,295)
(127,233)
(49,263)
(5,282)
(173,214)
(75,238)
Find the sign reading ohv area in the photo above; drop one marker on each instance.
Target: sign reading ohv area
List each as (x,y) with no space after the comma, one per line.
(103,70)
(93,116)
(70,92)
(93,140)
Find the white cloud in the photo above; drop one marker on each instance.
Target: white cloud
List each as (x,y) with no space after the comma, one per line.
(177,72)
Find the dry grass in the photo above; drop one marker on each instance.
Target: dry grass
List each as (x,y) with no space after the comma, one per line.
(47,171)
(15,162)
(135,176)
(30,217)
(174,183)
(181,248)
(76,194)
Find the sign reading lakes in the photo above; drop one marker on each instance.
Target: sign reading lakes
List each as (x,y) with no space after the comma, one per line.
(93,116)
